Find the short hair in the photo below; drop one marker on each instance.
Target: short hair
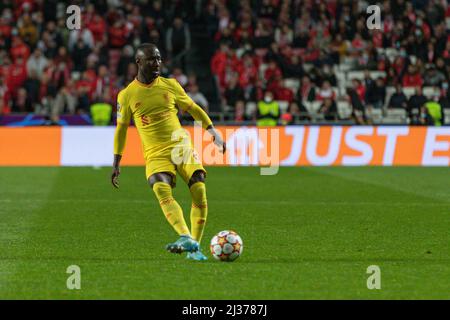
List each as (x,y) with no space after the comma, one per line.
(145,46)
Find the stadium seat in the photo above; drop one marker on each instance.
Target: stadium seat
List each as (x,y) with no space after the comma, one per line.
(428,91)
(307,67)
(355,75)
(344,109)
(250,109)
(314,106)
(283,105)
(389,91)
(447,116)
(292,84)
(377,115)
(344,67)
(262,69)
(409,91)
(340,76)
(395,116)
(377,74)
(381,51)
(391,53)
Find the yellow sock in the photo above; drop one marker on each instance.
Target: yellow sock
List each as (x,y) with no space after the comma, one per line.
(199,210)
(170,208)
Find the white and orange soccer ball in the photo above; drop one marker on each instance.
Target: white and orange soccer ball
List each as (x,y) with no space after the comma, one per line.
(226,246)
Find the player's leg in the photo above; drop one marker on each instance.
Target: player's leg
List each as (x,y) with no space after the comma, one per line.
(194,175)
(199,208)
(162,183)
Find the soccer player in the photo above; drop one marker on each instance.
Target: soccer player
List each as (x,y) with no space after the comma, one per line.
(152,101)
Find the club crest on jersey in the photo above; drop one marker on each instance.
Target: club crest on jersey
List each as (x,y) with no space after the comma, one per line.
(118,107)
(166,97)
(137,105)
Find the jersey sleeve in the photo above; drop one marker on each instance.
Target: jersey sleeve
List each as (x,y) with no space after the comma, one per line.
(123,120)
(123,109)
(186,104)
(182,100)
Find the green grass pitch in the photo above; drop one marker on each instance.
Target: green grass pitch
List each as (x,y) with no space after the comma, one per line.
(309,233)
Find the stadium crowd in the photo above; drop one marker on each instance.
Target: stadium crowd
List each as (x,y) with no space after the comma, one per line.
(273,61)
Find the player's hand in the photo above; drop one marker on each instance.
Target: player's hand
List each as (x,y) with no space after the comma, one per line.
(115,177)
(218,141)
(221,144)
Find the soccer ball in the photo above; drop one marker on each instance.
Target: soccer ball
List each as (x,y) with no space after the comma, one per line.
(226,246)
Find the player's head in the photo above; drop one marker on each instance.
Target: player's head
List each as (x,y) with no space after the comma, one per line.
(148,59)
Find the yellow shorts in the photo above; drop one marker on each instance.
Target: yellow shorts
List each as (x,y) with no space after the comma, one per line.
(185,165)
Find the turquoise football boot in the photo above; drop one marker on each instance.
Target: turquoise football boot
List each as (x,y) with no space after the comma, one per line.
(183,244)
(197,256)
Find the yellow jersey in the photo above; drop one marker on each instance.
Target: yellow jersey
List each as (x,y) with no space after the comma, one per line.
(154,108)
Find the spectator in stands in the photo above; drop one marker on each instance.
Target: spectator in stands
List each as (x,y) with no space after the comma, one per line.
(63,57)
(232,94)
(434,77)
(178,74)
(272,73)
(65,101)
(58,35)
(16,76)
(248,71)
(358,107)
(293,68)
(101,83)
(98,28)
(432,113)
(101,110)
(178,41)
(328,109)
(415,104)
(28,31)
(239,113)
(198,97)
(192,79)
(339,48)
(263,36)
(307,90)
(79,56)
(36,63)
(302,39)
(19,49)
(83,89)
(412,78)
(126,59)
(268,111)
(327,74)
(326,92)
(398,99)
(47,45)
(86,35)
(444,99)
(284,35)
(296,110)
(375,95)
(22,103)
(32,86)
(280,91)
(4,97)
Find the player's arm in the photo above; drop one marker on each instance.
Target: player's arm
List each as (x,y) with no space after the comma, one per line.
(185,103)
(120,137)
